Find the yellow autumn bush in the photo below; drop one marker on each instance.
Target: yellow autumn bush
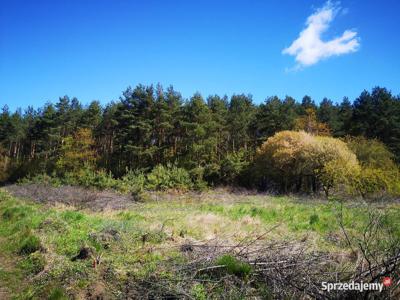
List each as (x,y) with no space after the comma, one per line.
(379,175)
(301,161)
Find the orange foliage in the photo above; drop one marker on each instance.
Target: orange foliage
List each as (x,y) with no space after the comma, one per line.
(310,124)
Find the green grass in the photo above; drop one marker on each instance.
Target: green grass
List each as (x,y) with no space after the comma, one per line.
(40,237)
(298,217)
(29,244)
(234,266)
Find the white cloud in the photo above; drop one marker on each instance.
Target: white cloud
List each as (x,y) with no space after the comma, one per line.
(309,49)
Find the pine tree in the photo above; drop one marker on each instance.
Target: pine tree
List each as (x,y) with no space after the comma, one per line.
(328,113)
(377,115)
(134,136)
(344,117)
(274,115)
(106,137)
(219,108)
(199,148)
(91,116)
(175,114)
(241,116)
(306,103)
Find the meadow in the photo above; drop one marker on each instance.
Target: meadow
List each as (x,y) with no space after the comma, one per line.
(167,245)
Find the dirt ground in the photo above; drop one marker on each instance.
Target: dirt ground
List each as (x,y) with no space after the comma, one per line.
(69,195)
(96,200)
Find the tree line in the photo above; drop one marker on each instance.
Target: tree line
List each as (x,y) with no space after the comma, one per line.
(214,139)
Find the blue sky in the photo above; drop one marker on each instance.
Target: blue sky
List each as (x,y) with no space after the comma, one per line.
(94,49)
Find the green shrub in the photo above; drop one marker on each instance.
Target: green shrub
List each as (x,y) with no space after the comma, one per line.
(197,176)
(379,175)
(41,179)
(158,178)
(232,166)
(180,178)
(98,179)
(168,177)
(29,244)
(376,182)
(70,178)
(234,266)
(372,153)
(132,182)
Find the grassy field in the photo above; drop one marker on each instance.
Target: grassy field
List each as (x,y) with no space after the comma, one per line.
(127,248)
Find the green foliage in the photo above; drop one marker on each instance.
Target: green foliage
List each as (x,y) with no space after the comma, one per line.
(337,164)
(233,165)
(234,266)
(371,152)
(197,176)
(86,176)
(240,118)
(98,179)
(379,175)
(376,182)
(133,182)
(159,178)
(275,115)
(168,177)
(376,114)
(4,164)
(134,117)
(76,152)
(43,179)
(213,139)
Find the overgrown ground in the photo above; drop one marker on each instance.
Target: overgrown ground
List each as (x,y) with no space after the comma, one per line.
(82,246)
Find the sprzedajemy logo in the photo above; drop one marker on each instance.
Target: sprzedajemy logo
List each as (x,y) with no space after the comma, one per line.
(356,286)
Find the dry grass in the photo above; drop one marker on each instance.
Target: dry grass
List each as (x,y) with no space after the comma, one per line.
(140,246)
